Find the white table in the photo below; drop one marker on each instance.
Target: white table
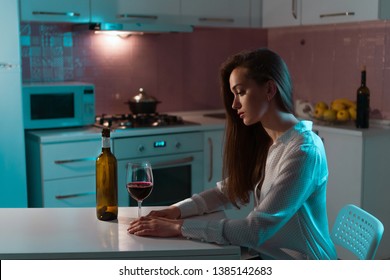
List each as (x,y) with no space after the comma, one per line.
(76,233)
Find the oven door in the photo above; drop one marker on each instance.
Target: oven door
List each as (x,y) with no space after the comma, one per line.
(176,177)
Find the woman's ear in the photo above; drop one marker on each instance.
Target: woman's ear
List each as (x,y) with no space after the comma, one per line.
(272,89)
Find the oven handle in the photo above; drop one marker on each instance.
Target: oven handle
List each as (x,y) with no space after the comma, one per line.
(73,195)
(66,161)
(173,162)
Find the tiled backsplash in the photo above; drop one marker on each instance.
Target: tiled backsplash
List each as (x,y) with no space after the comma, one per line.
(181,70)
(325,61)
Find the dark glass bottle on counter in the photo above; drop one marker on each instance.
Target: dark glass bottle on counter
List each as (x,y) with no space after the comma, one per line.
(106,181)
(363,103)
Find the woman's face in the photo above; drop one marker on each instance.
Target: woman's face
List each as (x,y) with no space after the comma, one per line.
(250,99)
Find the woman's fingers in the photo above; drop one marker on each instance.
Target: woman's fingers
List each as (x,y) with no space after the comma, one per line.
(155,226)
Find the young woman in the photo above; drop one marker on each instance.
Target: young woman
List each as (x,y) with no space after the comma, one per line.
(268,153)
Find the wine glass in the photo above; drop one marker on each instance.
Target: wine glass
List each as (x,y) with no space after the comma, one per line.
(139,181)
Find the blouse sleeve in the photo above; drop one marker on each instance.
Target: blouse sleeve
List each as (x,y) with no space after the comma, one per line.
(297,176)
(206,202)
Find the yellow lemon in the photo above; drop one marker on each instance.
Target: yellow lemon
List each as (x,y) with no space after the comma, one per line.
(319,112)
(330,115)
(343,115)
(352,113)
(321,105)
(337,106)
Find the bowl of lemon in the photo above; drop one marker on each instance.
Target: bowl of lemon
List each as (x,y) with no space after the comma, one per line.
(339,111)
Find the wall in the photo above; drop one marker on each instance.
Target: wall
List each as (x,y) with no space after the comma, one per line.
(181,70)
(325,61)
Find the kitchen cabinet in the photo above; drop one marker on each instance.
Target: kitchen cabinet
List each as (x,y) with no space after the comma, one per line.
(55,11)
(135,11)
(358,174)
(212,155)
(213,163)
(336,11)
(221,13)
(306,12)
(61,174)
(13,186)
(281,13)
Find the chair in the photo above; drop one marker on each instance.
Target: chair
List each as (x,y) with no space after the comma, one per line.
(357,231)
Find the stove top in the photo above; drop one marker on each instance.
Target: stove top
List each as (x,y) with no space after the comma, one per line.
(129,121)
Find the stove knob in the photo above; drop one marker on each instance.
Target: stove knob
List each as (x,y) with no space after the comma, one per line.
(141,148)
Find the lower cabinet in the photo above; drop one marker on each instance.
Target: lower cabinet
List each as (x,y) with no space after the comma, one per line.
(212,157)
(358,174)
(61,174)
(213,163)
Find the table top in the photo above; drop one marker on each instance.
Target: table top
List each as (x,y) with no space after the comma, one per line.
(76,233)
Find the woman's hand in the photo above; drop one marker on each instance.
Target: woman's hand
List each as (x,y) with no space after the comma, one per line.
(155,226)
(171,212)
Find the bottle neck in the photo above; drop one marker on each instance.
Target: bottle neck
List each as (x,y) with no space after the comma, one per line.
(106,143)
(363,78)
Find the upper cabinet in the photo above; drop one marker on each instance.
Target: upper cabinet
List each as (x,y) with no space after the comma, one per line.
(214,13)
(55,11)
(135,11)
(281,13)
(338,11)
(306,12)
(220,13)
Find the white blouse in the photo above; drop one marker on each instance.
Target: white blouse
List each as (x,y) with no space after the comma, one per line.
(289,220)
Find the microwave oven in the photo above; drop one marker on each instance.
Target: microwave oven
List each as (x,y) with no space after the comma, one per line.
(58,105)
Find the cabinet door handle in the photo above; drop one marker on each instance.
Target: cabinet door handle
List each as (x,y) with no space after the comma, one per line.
(294,9)
(65,161)
(173,162)
(4,65)
(211,148)
(67,14)
(152,17)
(337,14)
(214,19)
(73,195)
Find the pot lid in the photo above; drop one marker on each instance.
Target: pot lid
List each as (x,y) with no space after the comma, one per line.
(143,97)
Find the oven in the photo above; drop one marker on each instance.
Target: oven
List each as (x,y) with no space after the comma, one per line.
(177,162)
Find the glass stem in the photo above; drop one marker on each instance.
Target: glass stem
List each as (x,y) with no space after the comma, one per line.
(139,208)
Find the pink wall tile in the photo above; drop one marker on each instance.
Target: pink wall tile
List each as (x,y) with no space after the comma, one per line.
(328,65)
(181,69)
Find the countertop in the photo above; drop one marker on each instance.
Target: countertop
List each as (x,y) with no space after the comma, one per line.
(76,233)
(202,120)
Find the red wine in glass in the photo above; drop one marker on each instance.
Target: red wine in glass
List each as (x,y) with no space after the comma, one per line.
(139,190)
(139,181)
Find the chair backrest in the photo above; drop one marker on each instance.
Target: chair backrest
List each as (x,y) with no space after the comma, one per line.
(357,231)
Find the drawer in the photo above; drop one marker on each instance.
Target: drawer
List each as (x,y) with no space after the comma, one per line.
(71,159)
(71,192)
(156,145)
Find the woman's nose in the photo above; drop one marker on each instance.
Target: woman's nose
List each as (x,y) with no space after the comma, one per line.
(236,103)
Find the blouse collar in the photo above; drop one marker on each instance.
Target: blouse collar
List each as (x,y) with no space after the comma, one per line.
(299,128)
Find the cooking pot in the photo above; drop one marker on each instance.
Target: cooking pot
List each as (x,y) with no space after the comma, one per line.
(143,103)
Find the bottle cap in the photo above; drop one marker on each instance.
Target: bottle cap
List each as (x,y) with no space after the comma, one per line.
(106,132)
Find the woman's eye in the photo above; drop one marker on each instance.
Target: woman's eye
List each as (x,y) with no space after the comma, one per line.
(240,93)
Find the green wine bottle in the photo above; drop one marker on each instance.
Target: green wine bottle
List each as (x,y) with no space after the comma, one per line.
(363,103)
(106,181)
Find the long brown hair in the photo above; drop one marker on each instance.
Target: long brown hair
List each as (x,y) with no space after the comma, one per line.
(246,147)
